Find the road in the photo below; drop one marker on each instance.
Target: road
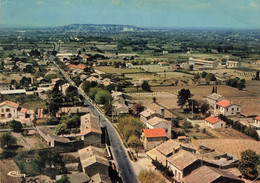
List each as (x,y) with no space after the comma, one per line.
(117,147)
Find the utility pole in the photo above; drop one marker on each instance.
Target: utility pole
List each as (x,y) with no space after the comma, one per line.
(192,110)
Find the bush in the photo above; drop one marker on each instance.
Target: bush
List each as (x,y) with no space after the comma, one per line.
(16,126)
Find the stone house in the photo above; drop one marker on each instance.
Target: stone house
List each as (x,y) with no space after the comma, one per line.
(214,122)
(153,137)
(157,122)
(227,108)
(148,114)
(90,130)
(213,99)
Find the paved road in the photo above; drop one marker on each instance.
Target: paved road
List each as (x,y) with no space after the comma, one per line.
(117,147)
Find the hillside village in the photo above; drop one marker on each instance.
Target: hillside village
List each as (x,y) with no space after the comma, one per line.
(79,115)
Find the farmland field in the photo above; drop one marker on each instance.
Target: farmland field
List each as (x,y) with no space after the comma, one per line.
(17,77)
(250,102)
(231,146)
(7,166)
(113,70)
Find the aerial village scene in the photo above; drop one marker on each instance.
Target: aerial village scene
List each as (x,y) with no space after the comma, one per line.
(129,91)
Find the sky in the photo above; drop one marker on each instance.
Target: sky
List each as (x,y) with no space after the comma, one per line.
(239,14)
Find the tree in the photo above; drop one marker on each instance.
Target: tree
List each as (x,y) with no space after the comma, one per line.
(134,142)
(183,97)
(204,108)
(92,92)
(154,99)
(137,108)
(102,97)
(175,122)
(62,129)
(204,74)
(150,176)
(257,75)
(63,179)
(145,86)
(248,164)
(7,140)
(16,126)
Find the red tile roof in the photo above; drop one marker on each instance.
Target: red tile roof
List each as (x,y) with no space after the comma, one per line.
(23,110)
(79,66)
(158,132)
(9,103)
(257,118)
(212,119)
(4,82)
(224,103)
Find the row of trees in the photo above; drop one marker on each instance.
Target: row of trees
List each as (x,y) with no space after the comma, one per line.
(236,83)
(248,130)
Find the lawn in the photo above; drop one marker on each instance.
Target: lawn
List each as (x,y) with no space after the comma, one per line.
(113,70)
(16,77)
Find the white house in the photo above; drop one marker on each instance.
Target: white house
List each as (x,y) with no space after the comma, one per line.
(4,85)
(10,109)
(201,63)
(157,122)
(227,108)
(232,64)
(214,122)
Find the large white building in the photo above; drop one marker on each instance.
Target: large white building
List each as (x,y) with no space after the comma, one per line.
(200,63)
(10,109)
(227,108)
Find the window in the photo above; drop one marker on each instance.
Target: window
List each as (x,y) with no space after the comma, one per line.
(232,109)
(7,110)
(2,110)
(227,109)
(2,115)
(238,108)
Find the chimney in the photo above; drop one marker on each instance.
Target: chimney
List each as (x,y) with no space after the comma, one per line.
(162,111)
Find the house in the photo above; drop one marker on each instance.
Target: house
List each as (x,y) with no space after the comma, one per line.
(90,130)
(257,119)
(227,108)
(201,63)
(148,114)
(214,122)
(213,99)
(120,108)
(79,66)
(153,137)
(4,85)
(10,109)
(51,138)
(183,163)
(93,161)
(157,122)
(168,148)
(207,174)
(129,65)
(232,64)
(163,64)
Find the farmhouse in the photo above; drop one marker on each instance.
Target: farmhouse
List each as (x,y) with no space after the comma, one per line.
(257,119)
(227,108)
(213,99)
(163,64)
(4,85)
(200,63)
(166,149)
(157,122)
(51,138)
(153,137)
(90,130)
(93,161)
(214,122)
(207,174)
(183,163)
(10,109)
(148,114)
(232,64)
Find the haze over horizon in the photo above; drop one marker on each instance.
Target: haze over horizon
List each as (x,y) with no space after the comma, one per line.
(237,14)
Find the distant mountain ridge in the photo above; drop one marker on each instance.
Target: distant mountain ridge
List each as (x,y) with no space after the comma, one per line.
(98,28)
